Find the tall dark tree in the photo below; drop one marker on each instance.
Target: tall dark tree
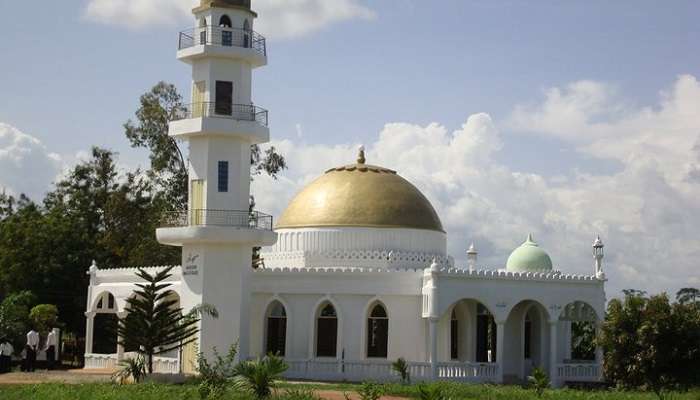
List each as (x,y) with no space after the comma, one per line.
(155,324)
(651,344)
(688,296)
(157,108)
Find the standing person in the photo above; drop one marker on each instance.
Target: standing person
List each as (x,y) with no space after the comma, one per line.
(32,348)
(51,346)
(6,351)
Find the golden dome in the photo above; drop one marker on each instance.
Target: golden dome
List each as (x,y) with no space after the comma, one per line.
(360,195)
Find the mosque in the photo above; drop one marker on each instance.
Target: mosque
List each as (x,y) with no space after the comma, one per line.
(354,274)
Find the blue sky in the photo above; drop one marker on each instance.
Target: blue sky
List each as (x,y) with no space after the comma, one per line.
(571,90)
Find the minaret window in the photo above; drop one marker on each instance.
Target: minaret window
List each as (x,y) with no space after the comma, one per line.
(223,176)
(326,332)
(224,97)
(377,332)
(225,21)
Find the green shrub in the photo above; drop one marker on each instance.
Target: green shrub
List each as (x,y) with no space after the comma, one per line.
(370,391)
(539,381)
(401,367)
(134,368)
(259,377)
(299,393)
(214,378)
(435,391)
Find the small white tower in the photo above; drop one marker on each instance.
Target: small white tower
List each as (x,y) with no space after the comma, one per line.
(217,232)
(471,257)
(598,256)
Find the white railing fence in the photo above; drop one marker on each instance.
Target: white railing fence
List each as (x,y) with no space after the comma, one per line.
(583,372)
(381,371)
(161,365)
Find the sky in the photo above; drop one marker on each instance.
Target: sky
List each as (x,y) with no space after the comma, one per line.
(561,119)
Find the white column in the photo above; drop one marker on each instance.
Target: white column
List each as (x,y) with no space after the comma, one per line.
(433,347)
(120,348)
(500,332)
(599,350)
(553,353)
(89,327)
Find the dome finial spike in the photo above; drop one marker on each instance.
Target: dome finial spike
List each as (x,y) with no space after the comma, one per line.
(361,154)
(529,237)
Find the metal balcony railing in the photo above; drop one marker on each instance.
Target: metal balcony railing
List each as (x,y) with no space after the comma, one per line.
(220,36)
(230,218)
(239,112)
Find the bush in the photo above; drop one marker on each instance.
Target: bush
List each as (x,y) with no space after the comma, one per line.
(370,391)
(401,367)
(213,378)
(435,391)
(259,377)
(299,393)
(538,381)
(132,368)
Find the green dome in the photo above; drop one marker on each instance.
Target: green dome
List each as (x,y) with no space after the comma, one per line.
(529,257)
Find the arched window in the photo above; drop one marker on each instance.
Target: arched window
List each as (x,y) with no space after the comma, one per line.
(203,31)
(225,21)
(454,335)
(276,329)
(377,332)
(327,332)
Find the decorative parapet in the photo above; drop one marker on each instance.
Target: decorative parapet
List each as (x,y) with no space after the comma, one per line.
(523,276)
(387,259)
(339,270)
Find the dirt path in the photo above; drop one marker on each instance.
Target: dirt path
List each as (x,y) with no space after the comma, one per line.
(68,376)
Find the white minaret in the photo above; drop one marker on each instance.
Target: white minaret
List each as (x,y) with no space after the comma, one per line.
(471,257)
(598,256)
(217,232)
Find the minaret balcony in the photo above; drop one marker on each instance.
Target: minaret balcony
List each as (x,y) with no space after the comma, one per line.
(246,121)
(222,42)
(216,226)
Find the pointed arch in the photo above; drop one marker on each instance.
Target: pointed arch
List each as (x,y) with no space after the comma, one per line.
(275,328)
(377,330)
(326,324)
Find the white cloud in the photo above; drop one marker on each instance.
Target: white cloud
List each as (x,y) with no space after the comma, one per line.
(26,166)
(278,18)
(647,213)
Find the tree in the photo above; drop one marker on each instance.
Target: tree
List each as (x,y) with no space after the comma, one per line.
(157,108)
(583,340)
(14,317)
(154,325)
(44,317)
(688,296)
(651,344)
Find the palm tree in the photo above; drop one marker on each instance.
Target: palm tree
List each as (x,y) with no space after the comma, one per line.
(259,377)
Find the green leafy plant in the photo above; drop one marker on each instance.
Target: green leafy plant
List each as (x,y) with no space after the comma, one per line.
(260,376)
(435,391)
(131,368)
(539,381)
(370,391)
(214,377)
(299,394)
(401,367)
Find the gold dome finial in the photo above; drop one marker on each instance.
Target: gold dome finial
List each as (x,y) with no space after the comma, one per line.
(361,155)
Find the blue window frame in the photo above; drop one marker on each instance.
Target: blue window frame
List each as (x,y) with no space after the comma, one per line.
(223,176)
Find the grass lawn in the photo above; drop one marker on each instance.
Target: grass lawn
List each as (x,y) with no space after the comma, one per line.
(102,391)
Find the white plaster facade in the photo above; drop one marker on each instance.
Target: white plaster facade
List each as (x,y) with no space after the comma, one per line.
(448,322)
